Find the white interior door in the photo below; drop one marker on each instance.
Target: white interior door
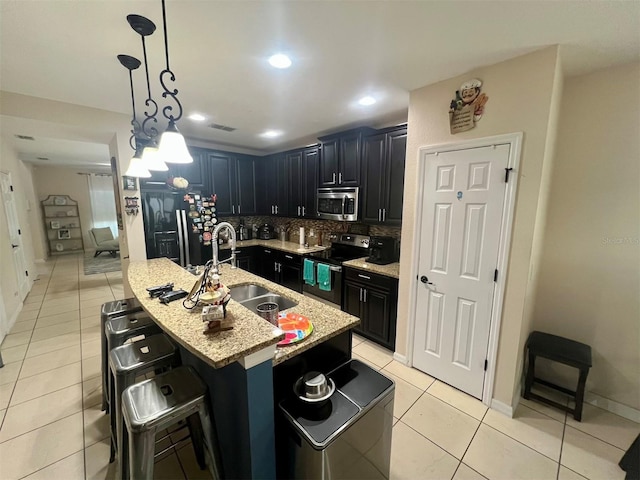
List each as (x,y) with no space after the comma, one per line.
(464,192)
(13,225)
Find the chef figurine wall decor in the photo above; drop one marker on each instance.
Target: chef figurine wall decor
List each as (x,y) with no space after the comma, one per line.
(468,106)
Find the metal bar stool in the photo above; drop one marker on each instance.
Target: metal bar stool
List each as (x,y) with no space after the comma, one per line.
(561,350)
(129,361)
(109,310)
(118,331)
(152,405)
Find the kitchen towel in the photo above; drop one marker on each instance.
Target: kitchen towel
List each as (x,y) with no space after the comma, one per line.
(324,277)
(309,273)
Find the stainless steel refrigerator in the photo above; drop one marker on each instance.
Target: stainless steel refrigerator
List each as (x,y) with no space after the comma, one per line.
(178,225)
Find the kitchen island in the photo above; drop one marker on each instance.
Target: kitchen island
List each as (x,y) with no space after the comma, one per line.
(237,364)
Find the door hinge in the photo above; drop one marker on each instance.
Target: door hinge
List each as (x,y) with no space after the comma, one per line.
(11,187)
(26,272)
(495,275)
(19,232)
(506,174)
(486,363)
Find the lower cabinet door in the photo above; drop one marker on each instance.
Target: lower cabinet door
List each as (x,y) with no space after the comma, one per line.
(377,314)
(291,276)
(351,300)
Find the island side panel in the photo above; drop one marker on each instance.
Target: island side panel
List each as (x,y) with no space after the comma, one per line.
(241,402)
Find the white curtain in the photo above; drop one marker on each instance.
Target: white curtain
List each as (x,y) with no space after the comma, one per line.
(103,202)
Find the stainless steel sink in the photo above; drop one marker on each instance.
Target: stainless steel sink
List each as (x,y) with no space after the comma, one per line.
(247,292)
(283,303)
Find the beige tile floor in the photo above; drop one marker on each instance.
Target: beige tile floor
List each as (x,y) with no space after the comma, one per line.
(52,426)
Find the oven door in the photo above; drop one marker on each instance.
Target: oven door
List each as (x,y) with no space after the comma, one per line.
(338,204)
(333,296)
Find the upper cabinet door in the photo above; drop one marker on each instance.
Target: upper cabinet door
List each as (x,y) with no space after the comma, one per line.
(396,153)
(246,195)
(310,157)
(329,163)
(296,187)
(195,172)
(373,178)
(223,177)
(349,171)
(282,186)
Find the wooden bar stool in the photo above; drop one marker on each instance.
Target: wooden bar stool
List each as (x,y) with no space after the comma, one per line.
(561,350)
(116,308)
(155,353)
(153,405)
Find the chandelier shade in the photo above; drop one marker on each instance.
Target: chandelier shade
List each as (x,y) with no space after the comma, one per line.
(173,148)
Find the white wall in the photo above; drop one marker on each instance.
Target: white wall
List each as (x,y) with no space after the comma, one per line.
(520,99)
(26,205)
(589,285)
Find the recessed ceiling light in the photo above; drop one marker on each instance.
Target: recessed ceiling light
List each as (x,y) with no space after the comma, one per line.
(366,101)
(280,60)
(196,117)
(271,134)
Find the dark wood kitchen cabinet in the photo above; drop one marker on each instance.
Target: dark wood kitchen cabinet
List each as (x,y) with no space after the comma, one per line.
(232,179)
(374,299)
(303,182)
(246,258)
(195,173)
(340,158)
(273,185)
(383,176)
(281,267)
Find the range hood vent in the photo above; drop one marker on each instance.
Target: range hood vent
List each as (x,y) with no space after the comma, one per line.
(224,128)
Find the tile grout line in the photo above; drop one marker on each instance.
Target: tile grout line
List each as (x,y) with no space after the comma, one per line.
(470,442)
(524,444)
(564,429)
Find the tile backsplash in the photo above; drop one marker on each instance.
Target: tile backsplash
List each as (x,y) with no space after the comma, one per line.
(319,228)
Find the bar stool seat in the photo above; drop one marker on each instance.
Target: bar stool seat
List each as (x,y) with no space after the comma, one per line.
(109,310)
(153,353)
(152,405)
(561,350)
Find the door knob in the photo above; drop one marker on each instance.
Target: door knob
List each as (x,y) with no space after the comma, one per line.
(14,246)
(425,280)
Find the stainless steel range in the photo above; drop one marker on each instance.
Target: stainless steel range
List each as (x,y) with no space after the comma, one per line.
(344,246)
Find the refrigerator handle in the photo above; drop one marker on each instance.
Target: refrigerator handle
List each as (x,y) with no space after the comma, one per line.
(180,236)
(187,245)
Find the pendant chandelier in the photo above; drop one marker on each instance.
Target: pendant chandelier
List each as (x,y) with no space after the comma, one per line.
(171,147)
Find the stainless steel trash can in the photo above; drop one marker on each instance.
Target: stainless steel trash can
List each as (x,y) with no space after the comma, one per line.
(349,436)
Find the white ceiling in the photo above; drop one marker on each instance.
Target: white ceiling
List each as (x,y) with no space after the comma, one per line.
(341,50)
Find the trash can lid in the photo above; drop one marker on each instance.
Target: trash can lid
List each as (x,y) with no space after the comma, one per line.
(360,382)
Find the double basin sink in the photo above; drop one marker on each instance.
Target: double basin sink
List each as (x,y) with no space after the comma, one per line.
(252,295)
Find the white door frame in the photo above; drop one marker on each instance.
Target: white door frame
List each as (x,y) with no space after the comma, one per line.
(515,142)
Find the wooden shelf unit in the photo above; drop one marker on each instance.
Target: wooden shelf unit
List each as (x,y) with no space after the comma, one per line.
(62,218)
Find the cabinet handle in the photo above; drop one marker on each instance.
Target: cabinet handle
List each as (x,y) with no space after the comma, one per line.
(238,209)
(340,178)
(333,178)
(384,214)
(365,294)
(272,210)
(275,266)
(280,267)
(276,209)
(298,210)
(267,251)
(364,276)
(379,214)
(289,257)
(233,209)
(360,295)
(303,213)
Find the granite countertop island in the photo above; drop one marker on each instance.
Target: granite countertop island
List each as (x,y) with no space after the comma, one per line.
(251,333)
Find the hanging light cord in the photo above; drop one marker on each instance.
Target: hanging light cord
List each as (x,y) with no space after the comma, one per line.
(168,110)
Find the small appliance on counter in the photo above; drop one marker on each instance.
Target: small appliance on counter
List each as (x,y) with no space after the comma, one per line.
(244,233)
(266,232)
(383,250)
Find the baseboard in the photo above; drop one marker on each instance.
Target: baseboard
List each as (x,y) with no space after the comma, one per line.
(39,260)
(612,406)
(14,317)
(400,358)
(502,407)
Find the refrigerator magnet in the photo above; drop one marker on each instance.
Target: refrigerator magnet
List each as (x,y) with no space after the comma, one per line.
(206,236)
(194,214)
(197,197)
(206,229)
(207,217)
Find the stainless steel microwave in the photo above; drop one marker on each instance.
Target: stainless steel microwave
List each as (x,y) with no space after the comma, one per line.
(339,203)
